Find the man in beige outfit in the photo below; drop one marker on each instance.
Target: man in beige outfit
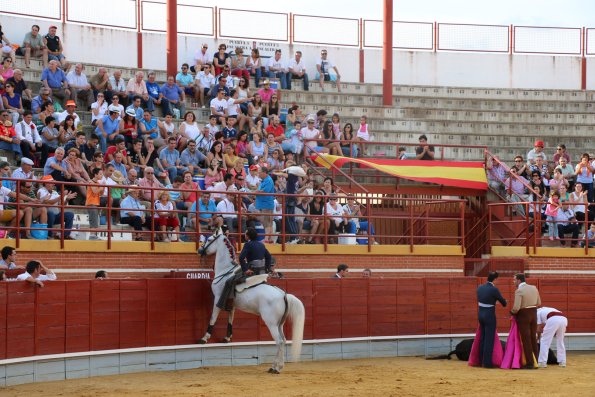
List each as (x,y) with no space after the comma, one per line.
(526,300)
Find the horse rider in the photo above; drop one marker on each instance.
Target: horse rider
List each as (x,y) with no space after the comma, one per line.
(255,259)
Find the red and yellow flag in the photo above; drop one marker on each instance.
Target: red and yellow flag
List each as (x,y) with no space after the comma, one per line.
(465,174)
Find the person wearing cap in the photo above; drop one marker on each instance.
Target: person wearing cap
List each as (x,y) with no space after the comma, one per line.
(252,179)
(310,136)
(25,171)
(81,89)
(69,111)
(47,194)
(53,50)
(537,150)
(108,127)
(54,79)
(266,92)
(133,212)
(202,57)
(276,68)
(324,67)
(175,95)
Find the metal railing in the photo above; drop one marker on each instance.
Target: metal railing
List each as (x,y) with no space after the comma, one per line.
(386,227)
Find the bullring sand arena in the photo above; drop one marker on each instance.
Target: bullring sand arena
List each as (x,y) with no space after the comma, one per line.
(402,376)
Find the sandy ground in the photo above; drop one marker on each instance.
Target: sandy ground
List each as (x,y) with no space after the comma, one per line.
(403,376)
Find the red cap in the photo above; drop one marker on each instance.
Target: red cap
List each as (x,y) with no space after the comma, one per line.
(253,167)
(539,143)
(53,27)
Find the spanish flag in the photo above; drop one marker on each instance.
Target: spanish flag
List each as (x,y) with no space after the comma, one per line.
(464,174)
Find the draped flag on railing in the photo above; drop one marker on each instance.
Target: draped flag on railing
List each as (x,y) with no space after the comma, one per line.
(465,174)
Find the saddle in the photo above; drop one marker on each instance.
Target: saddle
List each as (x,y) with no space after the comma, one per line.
(251,281)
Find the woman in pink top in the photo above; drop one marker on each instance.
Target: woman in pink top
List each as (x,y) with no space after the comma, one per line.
(363,134)
(189,197)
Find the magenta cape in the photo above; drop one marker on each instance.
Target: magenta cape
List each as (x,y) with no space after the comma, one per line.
(474,360)
(513,356)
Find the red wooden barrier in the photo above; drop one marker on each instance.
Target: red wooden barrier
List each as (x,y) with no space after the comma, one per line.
(72,316)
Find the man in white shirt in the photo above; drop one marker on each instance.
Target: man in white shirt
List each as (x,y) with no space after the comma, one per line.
(227,210)
(219,106)
(310,134)
(29,136)
(118,86)
(80,85)
(324,67)
(551,322)
(202,57)
(204,81)
(227,185)
(33,273)
(297,70)
(70,106)
(276,68)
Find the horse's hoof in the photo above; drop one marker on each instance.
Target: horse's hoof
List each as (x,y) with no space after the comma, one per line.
(226,340)
(273,371)
(202,342)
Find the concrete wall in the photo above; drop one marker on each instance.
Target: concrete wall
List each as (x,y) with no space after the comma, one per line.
(93,44)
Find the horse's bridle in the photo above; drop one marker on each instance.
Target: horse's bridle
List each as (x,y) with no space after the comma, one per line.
(202,251)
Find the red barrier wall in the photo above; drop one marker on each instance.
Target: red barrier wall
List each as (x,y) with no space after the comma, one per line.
(83,315)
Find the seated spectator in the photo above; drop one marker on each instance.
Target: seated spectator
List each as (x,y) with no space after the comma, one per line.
(276,68)
(136,156)
(132,178)
(515,189)
(221,59)
(238,169)
(53,50)
(20,87)
(278,131)
(227,211)
(87,149)
(266,92)
(331,139)
(193,159)
(31,142)
(77,168)
(149,181)
(78,83)
(6,70)
(152,160)
(219,106)
(33,46)
(118,88)
(9,256)
(223,81)
(561,154)
(297,70)
(166,217)
(108,127)
(207,210)
(589,239)
(137,87)
(39,100)
(47,194)
(27,197)
(186,81)
(521,167)
(25,171)
(58,167)
(119,163)
(238,64)
(54,79)
(98,108)
(50,136)
(324,67)
(33,273)
(100,84)
(202,58)
(67,131)
(155,94)
(10,215)
(170,159)
(204,82)
(129,126)
(310,136)
(566,170)
(133,212)
(424,151)
(47,110)
(557,180)
(170,129)
(566,223)
(540,166)
(537,150)
(496,175)
(254,65)
(190,193)
(227,185)
(229,132)
(338,222)
(151,127)
(189,130)
(12,103)
(229,156)
(348,148)
(318,224)
(175,96)
(580,208)
(253,180)
(9,140)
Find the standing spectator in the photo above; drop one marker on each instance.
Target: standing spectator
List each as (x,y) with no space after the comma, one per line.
(363,134)
(81,89)
(201,58)
(133,213)
(424,151)
(33,273)
(221,59)
(584,174)
(155,95)
(100,84)
(297,70)
(137,87)
(342,271)
(238,64)
(33,46)
(93,200)
(324,67)
(186,82)
(118,87)
(20,87)
(54,79)
(254,65)
(265,204)
(276,68)
(53,50)
(30,139)
(204,81)
(175,96)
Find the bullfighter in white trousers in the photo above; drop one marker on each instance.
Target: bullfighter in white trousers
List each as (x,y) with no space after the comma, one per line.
(550,323)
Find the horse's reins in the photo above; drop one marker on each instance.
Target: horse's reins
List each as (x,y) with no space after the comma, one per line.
(232,254)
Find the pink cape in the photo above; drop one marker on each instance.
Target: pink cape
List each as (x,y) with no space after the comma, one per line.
(496,354)
(513,356)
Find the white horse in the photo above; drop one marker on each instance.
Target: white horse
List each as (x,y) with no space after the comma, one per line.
(272,304)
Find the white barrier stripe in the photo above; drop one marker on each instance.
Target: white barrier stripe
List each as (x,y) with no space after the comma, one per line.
(560,271)
(283,270)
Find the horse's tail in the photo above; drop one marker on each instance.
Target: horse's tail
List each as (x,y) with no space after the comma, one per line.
(297,314)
